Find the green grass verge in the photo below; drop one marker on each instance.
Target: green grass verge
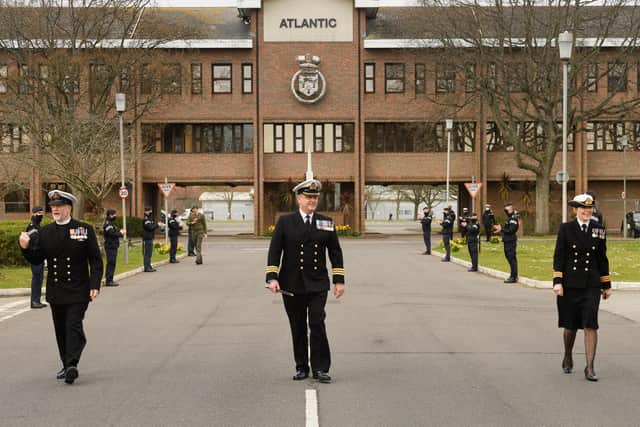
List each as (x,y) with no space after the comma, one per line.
(535,258)
(20,277)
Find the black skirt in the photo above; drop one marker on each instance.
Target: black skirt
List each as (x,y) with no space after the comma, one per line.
(578,308)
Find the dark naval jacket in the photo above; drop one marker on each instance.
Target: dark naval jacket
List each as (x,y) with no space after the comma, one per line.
(297,254)
(580,259)
(510,228)
(447,225)
(426,223)
(473,230)
(111,235)
(74,263)
(174,226)
(149,226)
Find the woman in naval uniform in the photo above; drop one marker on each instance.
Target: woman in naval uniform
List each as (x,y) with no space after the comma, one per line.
(580,279)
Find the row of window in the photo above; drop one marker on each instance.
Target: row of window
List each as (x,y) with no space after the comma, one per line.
(418,137)
(11,138)
(168,78)
(198,138)
(517,80)
(300,137)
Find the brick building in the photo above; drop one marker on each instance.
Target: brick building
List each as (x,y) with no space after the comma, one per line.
(273,79)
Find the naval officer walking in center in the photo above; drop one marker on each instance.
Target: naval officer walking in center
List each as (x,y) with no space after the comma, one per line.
(302,239)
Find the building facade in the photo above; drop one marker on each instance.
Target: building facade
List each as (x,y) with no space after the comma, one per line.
(280,78)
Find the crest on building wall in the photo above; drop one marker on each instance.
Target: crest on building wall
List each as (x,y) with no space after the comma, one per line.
(308,83)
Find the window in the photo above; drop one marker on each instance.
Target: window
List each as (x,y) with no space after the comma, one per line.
(221,75)
(338,137)
(247,78)
(469,77)
(4,76)
(606,136)
(495,141)
(491,76)
(173,139)
(17,202)
(12,139)
(517,77)
(124,80)
(592,77)
(394,78)
(318,138)
(146,80)
(172,84)
(418,137)
(298,136)
(369,78)
(196,79)
(98,80)
(617,77)
(278,138)
(24,87)
(420,79)
(71,80)
(43,73)
(445,78)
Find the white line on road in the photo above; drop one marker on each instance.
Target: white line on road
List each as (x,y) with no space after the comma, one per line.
(311,408)
(13,304)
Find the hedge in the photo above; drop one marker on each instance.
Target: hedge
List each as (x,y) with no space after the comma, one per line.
(10,253)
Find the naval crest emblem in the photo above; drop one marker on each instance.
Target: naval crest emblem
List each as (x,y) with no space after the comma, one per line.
(308,83)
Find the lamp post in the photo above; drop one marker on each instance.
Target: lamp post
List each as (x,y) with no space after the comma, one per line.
(449,126)
(565,41)
(624,143)
(120,108)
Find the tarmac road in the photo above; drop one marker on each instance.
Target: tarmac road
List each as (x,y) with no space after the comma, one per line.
(415,342)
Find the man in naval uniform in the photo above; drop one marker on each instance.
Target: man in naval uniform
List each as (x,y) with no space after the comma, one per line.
(74,268)
(297,268)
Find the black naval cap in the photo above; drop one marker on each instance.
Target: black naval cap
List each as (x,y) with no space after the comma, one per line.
(148,209)
(110,212)
(58,198)
(309,187)
(174,211)
(37,209)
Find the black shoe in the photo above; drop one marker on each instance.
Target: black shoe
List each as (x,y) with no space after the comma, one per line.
(300,375)
(199,263)
(472,269)
(567,365)
(149,270)
(71,374)
(445,260)
(112,284)
(61,374)
(191,255)
(590,374)
(322,377)
(174,261)
(37,304)
(511,280)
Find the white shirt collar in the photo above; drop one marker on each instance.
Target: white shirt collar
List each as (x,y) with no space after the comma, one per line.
(304,215)
(580,223)
(68,220)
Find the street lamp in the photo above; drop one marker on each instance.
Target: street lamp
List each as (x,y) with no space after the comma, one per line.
(565,41)
(624,143)
(449,126)
(120,108)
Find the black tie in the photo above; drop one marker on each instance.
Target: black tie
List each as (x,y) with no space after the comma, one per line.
(584,228)
(307,221)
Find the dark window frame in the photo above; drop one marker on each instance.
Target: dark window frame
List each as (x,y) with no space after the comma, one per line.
(196,78)
(420,78)
(246,79)
(277,138)
(372,78)
(617,82)
(215,79)
(318,140)
(388,78)
(445,78)
(298,137)
(591,78)
(4,78)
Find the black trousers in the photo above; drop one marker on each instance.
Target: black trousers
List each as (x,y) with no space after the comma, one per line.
(67,321)
(191,250)
(427,241)
(473,253)
(112,256)
(37,275)
(510,254)
(446,239)
(487,231)
(147,251)
(173,249)
(299,308)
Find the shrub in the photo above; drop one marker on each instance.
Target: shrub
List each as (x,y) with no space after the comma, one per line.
(10,253)
(134,225)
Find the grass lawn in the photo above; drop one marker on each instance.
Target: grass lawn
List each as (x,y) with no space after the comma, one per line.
(535,258)
(20,277)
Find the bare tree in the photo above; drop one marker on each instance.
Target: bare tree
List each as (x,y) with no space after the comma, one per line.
(418,194)
(506,57)
(66,61)
(228,198)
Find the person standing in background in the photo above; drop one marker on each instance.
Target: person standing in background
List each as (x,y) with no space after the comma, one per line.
(111,244)
(426,220)
(198,224)
(488,220)
(174,232)
(149,226)
(37,270)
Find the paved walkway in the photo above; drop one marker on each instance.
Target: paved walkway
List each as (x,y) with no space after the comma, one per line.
(415,342)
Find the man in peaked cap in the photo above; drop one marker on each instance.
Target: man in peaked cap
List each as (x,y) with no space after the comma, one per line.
(302,239)
(510,240)
(37,271)
(175,226)
(74,265)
